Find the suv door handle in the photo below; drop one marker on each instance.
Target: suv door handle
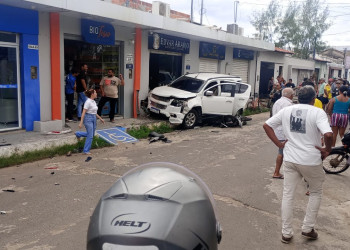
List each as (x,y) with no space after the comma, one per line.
(241,99)
(229,101)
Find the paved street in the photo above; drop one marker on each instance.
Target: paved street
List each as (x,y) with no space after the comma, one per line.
(236,164)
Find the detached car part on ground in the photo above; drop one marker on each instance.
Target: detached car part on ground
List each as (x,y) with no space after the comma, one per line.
(194,96)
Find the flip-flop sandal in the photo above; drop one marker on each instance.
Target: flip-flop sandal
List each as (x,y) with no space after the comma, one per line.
(278,177)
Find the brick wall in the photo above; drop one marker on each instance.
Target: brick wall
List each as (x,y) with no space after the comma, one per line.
(143,6)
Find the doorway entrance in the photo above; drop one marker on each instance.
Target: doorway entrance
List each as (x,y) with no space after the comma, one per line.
(9,82)
(266,72)
(163,69)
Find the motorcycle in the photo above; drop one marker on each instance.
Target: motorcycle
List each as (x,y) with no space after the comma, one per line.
(339,158)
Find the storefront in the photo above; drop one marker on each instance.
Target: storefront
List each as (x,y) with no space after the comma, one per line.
(97,48)
(166,57)
(209,56)
(19,61)
(240,63)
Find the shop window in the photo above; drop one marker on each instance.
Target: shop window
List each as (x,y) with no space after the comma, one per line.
(99,59)
(8,37)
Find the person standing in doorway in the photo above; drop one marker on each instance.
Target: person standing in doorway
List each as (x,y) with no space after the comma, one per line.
(81,88)
(109,92)
(303,124)
(69,90)
(88,117)
(285,101)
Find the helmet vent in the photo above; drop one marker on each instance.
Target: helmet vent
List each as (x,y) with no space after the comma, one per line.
(154,198)
(119,196)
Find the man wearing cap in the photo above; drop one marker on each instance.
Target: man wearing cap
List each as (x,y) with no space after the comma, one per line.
(303,124)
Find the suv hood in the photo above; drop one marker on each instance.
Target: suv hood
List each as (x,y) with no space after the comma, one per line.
(166,91)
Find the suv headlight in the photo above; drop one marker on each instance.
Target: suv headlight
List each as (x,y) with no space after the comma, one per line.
(178,103)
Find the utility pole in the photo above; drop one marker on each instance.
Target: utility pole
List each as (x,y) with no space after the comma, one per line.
(191,11)
(201,13)
(235,8)
(314,53)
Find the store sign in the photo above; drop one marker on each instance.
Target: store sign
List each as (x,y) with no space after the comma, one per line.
(163,42)
(211,50)
(243,54)
(97,32)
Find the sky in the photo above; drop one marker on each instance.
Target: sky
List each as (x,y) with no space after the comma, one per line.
(221,13)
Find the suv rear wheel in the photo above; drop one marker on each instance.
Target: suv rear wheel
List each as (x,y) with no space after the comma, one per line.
(190,119)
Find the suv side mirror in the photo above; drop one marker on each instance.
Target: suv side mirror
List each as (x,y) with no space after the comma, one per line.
(209,93)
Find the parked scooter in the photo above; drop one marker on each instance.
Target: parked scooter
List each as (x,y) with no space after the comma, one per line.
(338,160)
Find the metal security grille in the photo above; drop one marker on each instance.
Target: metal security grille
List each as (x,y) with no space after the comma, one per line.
(240,69)
(208,65)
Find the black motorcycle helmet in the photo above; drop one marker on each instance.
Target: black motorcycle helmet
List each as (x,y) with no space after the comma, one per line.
(155,206)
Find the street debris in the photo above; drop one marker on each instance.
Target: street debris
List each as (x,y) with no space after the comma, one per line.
(51,168)
(52,173)
(88,159)
(6,144)
(154,136)
(69,153)
(31,176)
(13,178)
(59,132)
(9,190)
(2,212)
(57,184)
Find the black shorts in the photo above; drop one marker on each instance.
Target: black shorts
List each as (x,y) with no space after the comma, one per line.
(323,99)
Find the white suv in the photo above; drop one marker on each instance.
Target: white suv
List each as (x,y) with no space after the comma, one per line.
(193,96)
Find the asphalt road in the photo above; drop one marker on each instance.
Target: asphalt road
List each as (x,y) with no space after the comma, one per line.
(50,208)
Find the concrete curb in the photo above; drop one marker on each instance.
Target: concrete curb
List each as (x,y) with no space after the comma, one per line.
(42,141)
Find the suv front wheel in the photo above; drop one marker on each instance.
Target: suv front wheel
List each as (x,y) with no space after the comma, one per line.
(190,119)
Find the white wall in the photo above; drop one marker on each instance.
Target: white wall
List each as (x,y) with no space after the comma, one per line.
(44,67)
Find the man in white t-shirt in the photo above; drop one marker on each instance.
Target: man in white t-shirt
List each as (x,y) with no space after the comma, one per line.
(303,125)
(284,101)
(109,92)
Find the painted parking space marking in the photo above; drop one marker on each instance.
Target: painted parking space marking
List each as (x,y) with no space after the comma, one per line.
(115,135)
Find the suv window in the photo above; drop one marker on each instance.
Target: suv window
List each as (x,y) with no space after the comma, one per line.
(241,88)
(187,84)
(227,89)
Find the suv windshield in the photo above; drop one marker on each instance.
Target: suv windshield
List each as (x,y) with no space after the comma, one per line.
(188,84)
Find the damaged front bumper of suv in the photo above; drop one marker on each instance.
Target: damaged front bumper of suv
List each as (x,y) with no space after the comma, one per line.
(173,108)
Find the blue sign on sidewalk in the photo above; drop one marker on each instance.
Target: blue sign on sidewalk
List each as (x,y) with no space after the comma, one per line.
(115,135)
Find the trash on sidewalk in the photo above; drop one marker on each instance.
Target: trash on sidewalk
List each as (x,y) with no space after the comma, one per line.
(69,153)
(115,135)
(88,159)
(59,132)
(57,184)
(2,212)
(154,136)
(6,144)
(52,173)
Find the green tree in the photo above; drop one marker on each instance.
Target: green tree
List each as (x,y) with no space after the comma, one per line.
(300,29)
(265,22)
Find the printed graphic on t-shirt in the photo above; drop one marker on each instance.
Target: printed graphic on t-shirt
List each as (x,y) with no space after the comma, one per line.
(108,82)
(298,120)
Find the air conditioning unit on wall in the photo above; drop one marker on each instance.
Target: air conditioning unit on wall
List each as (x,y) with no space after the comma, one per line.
(160,8)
